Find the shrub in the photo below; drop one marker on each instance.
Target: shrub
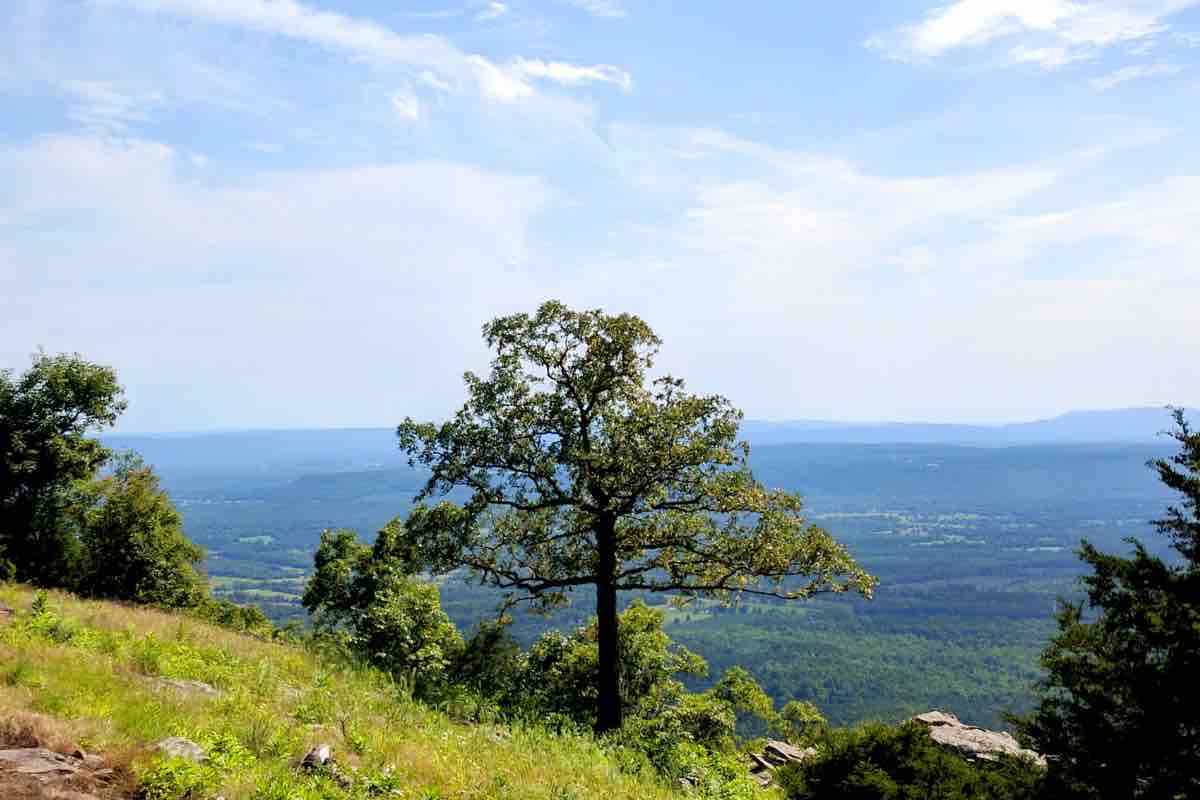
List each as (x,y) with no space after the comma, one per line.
(881,762)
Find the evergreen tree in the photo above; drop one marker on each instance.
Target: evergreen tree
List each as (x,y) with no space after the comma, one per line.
(1119,712)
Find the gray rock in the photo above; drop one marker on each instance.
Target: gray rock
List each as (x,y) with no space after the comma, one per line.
(192,688)
(978,744)
(775,754)
(39,763)
(319,756)
(778,752)
(178,747)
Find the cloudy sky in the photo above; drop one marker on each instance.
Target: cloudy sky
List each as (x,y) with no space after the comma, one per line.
(271,213)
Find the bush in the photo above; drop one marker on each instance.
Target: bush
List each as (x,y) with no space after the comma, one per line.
(881,762)
(133,545)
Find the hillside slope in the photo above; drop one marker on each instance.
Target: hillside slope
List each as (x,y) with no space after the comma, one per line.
(112,680)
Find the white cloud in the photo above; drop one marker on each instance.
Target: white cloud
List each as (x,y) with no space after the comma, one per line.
(271,148)
(1049,33)
(1132,73)
(611,9)
(406,104)
(440,63)
(370,271)
(499,84)
(571,74)
(104,106)
(493,10)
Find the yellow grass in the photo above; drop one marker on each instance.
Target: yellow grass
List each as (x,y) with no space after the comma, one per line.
(89,682)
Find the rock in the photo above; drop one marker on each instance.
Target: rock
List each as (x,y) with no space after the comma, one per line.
(178,747)
(975,743)
(775,754)
(67,794)
(193,688)
(39,763)
(778,752)
(319,756)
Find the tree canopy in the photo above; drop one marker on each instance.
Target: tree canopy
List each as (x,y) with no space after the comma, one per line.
(133,545)
(45,416)
(1118,713)
(583,470)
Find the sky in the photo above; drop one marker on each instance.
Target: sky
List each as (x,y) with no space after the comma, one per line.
(271,213)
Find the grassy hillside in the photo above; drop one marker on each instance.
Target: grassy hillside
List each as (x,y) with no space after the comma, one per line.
(84,673)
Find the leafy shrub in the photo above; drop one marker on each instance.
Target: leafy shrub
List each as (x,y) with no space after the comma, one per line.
(881,762)
(170,778)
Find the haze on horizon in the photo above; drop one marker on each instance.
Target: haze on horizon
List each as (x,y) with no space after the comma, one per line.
(299,214)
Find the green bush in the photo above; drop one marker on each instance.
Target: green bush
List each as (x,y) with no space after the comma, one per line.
(881,762)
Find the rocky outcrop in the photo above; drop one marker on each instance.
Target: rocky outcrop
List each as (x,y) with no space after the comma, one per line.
(185,687)
(39,763)
(775,754)
(977,744)
(178,747)
(35,772)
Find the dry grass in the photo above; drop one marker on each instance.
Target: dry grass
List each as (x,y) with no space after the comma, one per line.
(26,729)
(277,701)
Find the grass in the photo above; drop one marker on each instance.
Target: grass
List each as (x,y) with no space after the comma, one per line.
(83,673)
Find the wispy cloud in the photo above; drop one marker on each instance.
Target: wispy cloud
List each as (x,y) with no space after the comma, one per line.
(601,8)
(1132,73)
(493,10)
(571,74)
(104,106)
(443,63)
(406,104)
(1049,33)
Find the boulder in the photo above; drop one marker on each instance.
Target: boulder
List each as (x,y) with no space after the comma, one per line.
(775,754)
(321,757)
(39,763)
(780,753)
(975,743)
(318,756)
(192,688)
(178,747)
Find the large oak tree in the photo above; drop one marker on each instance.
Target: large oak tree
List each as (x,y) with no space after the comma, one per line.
(582,470)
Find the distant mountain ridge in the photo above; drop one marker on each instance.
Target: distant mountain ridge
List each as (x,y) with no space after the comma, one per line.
(1123,425)
(277,457)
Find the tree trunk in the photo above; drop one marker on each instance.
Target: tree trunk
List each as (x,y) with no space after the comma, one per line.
(608,700)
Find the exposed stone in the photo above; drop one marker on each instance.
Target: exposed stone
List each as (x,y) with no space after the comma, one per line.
(779,752)
(972,742)
(39,763)
(318,756)
(321,757)
(193,688)
(53,793)
(775,754)
(178,747)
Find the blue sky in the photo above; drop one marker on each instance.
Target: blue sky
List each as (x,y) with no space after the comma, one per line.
(268,213)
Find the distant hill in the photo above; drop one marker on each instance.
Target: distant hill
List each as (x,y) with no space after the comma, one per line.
(211,460)
(1124,425)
